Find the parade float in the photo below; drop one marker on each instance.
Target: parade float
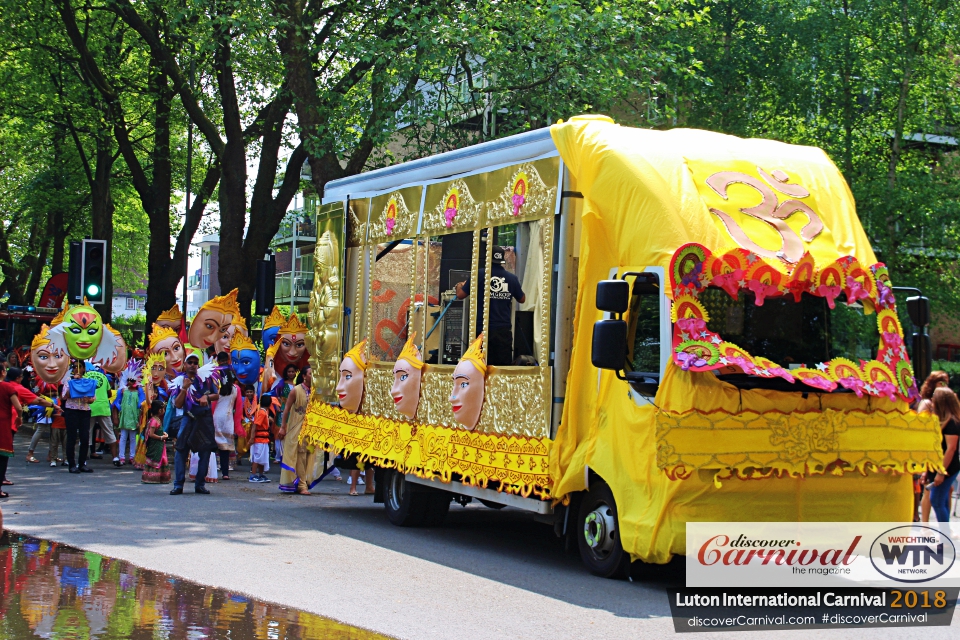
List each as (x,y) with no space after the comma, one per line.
(703,334)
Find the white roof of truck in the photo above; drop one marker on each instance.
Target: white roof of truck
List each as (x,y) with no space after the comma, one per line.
(505,151)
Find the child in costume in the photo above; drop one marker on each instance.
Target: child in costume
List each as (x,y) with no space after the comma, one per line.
(260,448)
(156,470)
(130,398)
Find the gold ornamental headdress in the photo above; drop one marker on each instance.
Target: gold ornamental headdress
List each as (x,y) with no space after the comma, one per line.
(292,326)
(57,319)
(476,355)
(241,341)
(153,359)
(40,339)
(159,334)
(410,353)
(171,315)
(275,319)
(358,354)
(240,323)
(226,304)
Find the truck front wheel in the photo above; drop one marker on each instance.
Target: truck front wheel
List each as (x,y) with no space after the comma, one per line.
(598,534)
(409,506)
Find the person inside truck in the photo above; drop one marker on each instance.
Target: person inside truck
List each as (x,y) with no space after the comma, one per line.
(504,288)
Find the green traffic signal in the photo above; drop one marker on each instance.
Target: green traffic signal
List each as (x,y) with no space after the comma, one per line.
(93,290)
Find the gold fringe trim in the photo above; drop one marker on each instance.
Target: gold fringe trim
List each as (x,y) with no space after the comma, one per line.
(518,463)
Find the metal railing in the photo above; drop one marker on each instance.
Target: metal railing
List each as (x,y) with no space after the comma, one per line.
(302,282)
(305,226)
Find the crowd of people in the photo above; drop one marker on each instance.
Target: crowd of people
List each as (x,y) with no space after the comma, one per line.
(205,420)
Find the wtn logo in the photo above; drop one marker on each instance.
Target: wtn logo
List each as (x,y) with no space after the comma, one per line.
(913,553)
(898,554)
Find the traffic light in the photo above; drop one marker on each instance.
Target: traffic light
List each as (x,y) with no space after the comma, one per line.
(266,285)
(75,274)
(93,268)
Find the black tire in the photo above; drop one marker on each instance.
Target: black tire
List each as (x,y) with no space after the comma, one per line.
(598,533)
(492,505)
(410,507)
(438,505)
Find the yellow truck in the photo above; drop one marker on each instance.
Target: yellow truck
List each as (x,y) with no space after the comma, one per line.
(619,330)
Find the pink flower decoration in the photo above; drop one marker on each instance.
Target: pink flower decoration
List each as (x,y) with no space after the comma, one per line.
(783,373)
(830,293)
(450,214)
(391,223)
(855,291)
(729,282)
(887,389)
(854,384)
(762,291)
(892,340)
(691,325)
(819,382)
(518,201)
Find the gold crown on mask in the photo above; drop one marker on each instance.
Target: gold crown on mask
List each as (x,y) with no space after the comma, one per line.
(40,339)
(410,353)
(171,315)
(153,359)
(159,334)
(275,319)
(241,341)
(239,323)
(57,319)
(226,304)
(292,326)
(358,354)
(476,355)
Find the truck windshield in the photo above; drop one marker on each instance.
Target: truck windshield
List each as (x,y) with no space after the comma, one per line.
(792,333)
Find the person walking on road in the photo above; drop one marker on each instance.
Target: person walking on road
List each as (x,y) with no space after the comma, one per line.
(296,468)
(260,442)
(128,402)
(196,428)
(155,469)
(226,413)
(11,412)
(946,406)
(78,394)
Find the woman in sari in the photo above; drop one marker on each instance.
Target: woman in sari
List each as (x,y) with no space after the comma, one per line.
(155,467)
(299,461)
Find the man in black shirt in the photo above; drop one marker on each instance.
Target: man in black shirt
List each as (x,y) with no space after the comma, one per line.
(504,287)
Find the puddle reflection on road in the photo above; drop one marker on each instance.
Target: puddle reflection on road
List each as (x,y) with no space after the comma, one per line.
(50,590)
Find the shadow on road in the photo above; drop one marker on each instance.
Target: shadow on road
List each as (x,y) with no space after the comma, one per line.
(504,546)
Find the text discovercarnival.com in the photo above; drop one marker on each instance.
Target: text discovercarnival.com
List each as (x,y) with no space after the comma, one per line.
(817,575)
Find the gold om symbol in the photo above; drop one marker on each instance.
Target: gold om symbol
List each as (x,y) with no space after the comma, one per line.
(770,210)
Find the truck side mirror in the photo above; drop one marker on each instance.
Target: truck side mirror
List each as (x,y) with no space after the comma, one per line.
(609,344)
(613,296)
(919,309)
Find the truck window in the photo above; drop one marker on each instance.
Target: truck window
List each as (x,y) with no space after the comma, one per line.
(391,288)
(791,333)
(644,355)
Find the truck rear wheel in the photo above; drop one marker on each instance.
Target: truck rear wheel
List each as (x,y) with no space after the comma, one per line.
(409,506)
(598,534)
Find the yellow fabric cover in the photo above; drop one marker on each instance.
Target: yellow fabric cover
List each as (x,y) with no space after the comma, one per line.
(641,203)
(517,463)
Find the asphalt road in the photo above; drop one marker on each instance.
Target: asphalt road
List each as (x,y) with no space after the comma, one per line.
(484,574)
